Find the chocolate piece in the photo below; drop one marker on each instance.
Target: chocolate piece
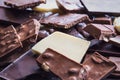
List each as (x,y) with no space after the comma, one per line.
(98,67)
(64,20)
(102,20)
(9,40)
(23,66)
(12,16)
(100,31)
(62,66)
(23,4)
(115,40)
(116,60)
(95,6)
(70,5)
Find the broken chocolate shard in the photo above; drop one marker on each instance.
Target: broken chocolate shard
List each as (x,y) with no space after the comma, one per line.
(100,31)
(98,67)
(23,4)
(64,20)
(66,69)
(115,40)
(70,5)
(13,16)
(9,40)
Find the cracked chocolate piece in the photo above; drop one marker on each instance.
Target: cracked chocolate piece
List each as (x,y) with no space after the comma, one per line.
(70,5)
(98,67)
(23,4)
(64,20)
(62,66)
(13,16)
(115,40)
(100,31)
(9,40)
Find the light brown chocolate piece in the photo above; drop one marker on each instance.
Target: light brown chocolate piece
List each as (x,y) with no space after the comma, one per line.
(62,66)
(98,67)
(70,5)
(100,31)
(9,40)
(64,20)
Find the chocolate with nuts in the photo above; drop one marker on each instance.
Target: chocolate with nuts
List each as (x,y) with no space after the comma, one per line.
(62,66)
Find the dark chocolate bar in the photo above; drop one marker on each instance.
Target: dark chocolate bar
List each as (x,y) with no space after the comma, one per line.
(100,31)
(13,16)
(23,4)
(70,5)
(9,40)
(115,40)
(98,67)
(64,20)
(102,20)
(62,66)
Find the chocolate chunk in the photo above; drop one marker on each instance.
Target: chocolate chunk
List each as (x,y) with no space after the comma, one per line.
(95,7)
(9,40)
(64,20)
(98,67)
(100,31)
(20,68)
(23,4)
(62,66)
(13,16)
(70,5)
(115,40)
(102,20)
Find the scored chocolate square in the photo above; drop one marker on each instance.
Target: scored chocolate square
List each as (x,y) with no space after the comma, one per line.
(23,4)
(64,20)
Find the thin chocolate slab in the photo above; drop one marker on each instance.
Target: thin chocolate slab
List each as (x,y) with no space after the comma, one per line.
(102,6)
(20,68)
(9,40)
(23,4)
(12,16)
(64,20)
(62,66)
(100,31)
(70,5)
(98,67)
(115,40)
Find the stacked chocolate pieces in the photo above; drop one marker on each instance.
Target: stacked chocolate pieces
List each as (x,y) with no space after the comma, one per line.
(20,28)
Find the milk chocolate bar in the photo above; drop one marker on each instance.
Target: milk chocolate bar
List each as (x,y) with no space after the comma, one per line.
(100,31)
(64,20)
(62,66)
(115,40)
(98,67)
(13,16)
(23,4)
(102,20)
(70,5)
(9,40)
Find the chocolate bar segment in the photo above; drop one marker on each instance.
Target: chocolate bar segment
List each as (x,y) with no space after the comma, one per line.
(13,16)
(9,40)
(23,4)
(62,66)
(98,67)
(70,5)
(100,31)
(64,20)
(115,40)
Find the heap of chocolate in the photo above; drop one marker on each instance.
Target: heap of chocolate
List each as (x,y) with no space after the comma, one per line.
(21,29)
